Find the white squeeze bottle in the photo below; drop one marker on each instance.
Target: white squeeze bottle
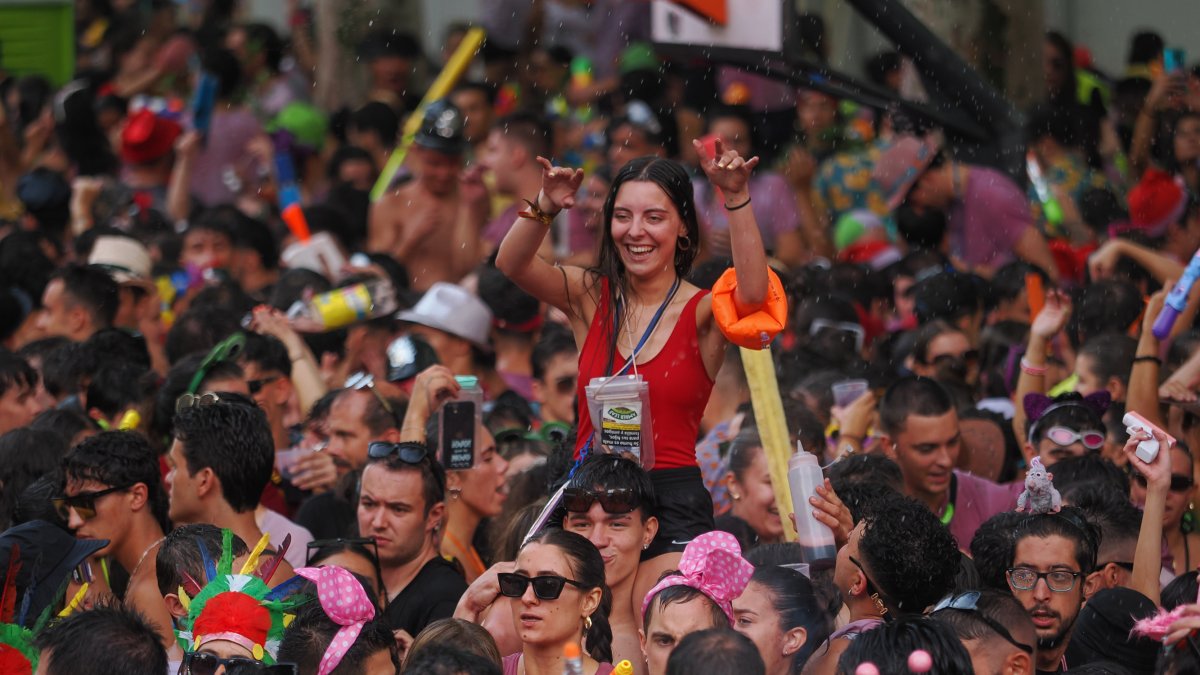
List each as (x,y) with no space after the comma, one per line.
(815,538)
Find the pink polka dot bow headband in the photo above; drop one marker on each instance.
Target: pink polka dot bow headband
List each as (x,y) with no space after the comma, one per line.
(346,603)
(712,564)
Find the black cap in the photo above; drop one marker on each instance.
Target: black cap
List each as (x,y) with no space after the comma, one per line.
(442,128)
(48,554)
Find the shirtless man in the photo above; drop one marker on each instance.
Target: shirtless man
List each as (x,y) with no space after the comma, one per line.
(432,224)
(113,491)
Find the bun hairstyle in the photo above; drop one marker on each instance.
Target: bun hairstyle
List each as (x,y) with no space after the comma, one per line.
(588,568)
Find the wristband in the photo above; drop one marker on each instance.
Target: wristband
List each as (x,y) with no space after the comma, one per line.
(1147,359)
(739,206)
(535,212)
(1030,369)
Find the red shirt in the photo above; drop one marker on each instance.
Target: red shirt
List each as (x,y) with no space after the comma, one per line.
(679,383)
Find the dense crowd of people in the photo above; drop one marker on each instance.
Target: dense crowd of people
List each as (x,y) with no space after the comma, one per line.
(269,404)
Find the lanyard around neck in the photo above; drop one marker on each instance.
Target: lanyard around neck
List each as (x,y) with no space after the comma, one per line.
(645,335)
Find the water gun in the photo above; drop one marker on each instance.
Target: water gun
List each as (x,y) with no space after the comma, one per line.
(1177,299)
(1051,209)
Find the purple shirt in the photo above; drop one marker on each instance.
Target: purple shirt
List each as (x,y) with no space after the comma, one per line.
(511,666)
(774,207)
(989,218)
(225,150)
(977,499)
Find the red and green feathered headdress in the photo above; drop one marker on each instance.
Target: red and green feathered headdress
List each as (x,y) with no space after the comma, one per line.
(18,656)
(240,607)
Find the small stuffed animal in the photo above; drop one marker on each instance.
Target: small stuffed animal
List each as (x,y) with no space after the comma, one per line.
(1039,495)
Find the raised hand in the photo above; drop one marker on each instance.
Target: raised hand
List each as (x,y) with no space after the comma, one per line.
(727,169)
(1053,317)
(560,184)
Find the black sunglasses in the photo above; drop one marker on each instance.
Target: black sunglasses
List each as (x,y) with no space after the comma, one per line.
(565,384)
(362,381)
(409,453)
(872,590)
(256,386)
(616,501)
(545,587)
(1179,483)
(83,503)
(969,602)
(201,663)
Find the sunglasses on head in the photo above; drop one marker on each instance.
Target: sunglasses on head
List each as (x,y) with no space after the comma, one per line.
(1062,437)
(854,330)
(360,381)
(617,501)
(83,503)
(186,401)
(409,453)
(969,602)
(1179,482)
(201,663)
(545,587)
(969,356)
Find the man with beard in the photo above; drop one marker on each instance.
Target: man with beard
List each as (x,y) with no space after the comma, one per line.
(1052,555)
(432,224)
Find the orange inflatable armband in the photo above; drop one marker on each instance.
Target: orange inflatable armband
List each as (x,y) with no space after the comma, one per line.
(758,329)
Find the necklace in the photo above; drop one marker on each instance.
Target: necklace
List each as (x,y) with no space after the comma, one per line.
(142,558)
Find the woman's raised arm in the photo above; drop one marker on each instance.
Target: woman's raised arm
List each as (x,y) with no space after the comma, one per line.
(731,172)
(517,256)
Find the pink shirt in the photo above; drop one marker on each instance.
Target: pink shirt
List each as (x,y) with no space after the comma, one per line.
(977,499)
(989,217)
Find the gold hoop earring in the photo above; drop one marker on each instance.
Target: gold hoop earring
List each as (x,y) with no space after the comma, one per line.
(587,623)
(684,243)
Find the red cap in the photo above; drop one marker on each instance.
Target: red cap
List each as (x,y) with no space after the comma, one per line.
(147,137)
(1157,201)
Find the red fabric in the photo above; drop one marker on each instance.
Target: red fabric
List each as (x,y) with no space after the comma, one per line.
(13,662)
(679,383)
(232,612)
(147,137)
(1156,201)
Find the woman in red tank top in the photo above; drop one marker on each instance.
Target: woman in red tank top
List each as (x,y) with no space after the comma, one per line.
(651,239)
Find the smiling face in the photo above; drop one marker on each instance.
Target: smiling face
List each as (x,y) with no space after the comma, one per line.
(551,622)
(645,228)
(755,501)
(927,452)
(620,538)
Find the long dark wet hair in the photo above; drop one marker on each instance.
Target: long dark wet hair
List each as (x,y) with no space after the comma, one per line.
(675,182)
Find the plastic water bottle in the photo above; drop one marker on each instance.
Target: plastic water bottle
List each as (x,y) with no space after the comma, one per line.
(343,306)
(816,539)
(572,659)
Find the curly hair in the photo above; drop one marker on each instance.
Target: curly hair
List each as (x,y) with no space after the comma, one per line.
(911,557)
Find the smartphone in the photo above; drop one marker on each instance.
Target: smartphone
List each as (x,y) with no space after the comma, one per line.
(458,435)
(1174,60)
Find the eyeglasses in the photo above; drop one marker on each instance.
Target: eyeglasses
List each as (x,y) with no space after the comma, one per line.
(969,602)
(1024,579)
(545,587)
(201,663)
(1179,482)
(186,401)
(1062,437)
(1127,566)
(83,503)
(872,590)
(360,381)
(256,386)
(967,357)
(854,329)
(340,544)
(617,501)
(565,385)
(225,350)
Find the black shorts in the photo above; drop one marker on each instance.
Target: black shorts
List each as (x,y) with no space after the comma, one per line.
(684,509)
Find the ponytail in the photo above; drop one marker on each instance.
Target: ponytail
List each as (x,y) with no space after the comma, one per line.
(598,638)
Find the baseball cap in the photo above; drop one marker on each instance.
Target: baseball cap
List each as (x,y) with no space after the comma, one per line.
(125,259)
(442,128)
(1157,201)
(901,164)
(454,310)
